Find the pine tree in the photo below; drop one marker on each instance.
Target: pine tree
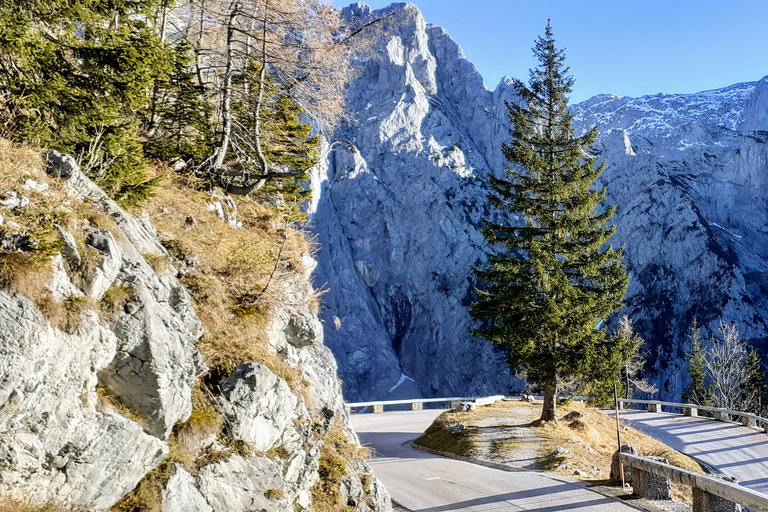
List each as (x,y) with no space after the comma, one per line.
(753,387)
(697,392)
(76,75)
(551,282)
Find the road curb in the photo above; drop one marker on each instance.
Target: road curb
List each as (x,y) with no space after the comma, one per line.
(645,506)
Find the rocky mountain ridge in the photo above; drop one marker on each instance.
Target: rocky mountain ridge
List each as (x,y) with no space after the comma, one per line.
(106,403)
(398,214)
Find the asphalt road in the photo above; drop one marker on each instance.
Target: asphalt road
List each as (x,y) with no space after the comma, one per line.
(427,483)
(728,447)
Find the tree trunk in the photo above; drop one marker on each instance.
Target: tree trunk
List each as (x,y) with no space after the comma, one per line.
(262,85)
(226,101)
(549,408)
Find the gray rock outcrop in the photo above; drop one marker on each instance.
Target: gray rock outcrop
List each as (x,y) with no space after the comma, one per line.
(398,216)
(690,198)
(284,428)
(59,440)
(88,408)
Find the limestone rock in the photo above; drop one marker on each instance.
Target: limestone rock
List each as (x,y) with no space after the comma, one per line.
(60,438)
(258,405)
(69,251)
(181,493)
(398,215)
(56,442)
(574,415)
(98,282)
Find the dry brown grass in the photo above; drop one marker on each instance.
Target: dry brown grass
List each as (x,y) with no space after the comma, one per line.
(235,265)
(337,452)
(27,270)
(108,402)
(598,431)
(115,299)
(592,440)
(8,504)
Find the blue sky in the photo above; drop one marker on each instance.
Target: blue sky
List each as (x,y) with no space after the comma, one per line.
(624,47)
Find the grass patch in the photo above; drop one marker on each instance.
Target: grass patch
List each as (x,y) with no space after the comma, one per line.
(591,439)
(28,236)
(337,452)
(233,270)
(159,263)
(15,505)
(116,298)
(445,435)
(274,494)
(108,402)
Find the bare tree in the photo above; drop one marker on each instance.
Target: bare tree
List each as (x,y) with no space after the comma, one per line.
(633,368)
(247,49)
(726,366)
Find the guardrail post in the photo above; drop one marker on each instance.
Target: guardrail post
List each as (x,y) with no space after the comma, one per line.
(455,404)
(377,408)
(765,427)
(654,407)
(416,406)
(650,486)
(718,415)
(690,410)
(705,502)
(747,421)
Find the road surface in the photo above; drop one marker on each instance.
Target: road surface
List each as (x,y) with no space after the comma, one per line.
(427,483)
(728,447)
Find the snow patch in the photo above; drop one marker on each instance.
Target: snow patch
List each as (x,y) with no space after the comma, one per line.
(403,378)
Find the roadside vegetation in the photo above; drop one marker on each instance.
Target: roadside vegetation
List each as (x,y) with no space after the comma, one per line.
(581,444)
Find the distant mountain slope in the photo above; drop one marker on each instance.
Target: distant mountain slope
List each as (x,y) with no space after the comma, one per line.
(397,217)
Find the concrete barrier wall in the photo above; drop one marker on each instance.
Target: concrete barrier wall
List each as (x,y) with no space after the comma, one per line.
(710,485)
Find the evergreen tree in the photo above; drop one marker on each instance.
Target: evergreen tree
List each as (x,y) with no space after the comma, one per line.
(179,123)
(753,387)
(76,75)
(267,127)
(697,392)
(552,282)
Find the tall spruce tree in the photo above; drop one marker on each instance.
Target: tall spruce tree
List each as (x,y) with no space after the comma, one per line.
(551,281)
(697,392)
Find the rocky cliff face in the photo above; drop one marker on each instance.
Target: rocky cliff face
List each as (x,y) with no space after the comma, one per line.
(398,215)
(398,212)
(95,403)
(688,173)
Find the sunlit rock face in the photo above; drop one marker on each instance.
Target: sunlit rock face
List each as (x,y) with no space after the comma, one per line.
(398,204)
(689,175)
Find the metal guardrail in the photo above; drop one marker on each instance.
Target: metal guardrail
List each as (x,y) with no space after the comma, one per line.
(416,404)
(698,482)
(746,418)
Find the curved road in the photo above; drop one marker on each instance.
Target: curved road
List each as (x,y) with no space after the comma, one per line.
(729,447)
(427,483)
